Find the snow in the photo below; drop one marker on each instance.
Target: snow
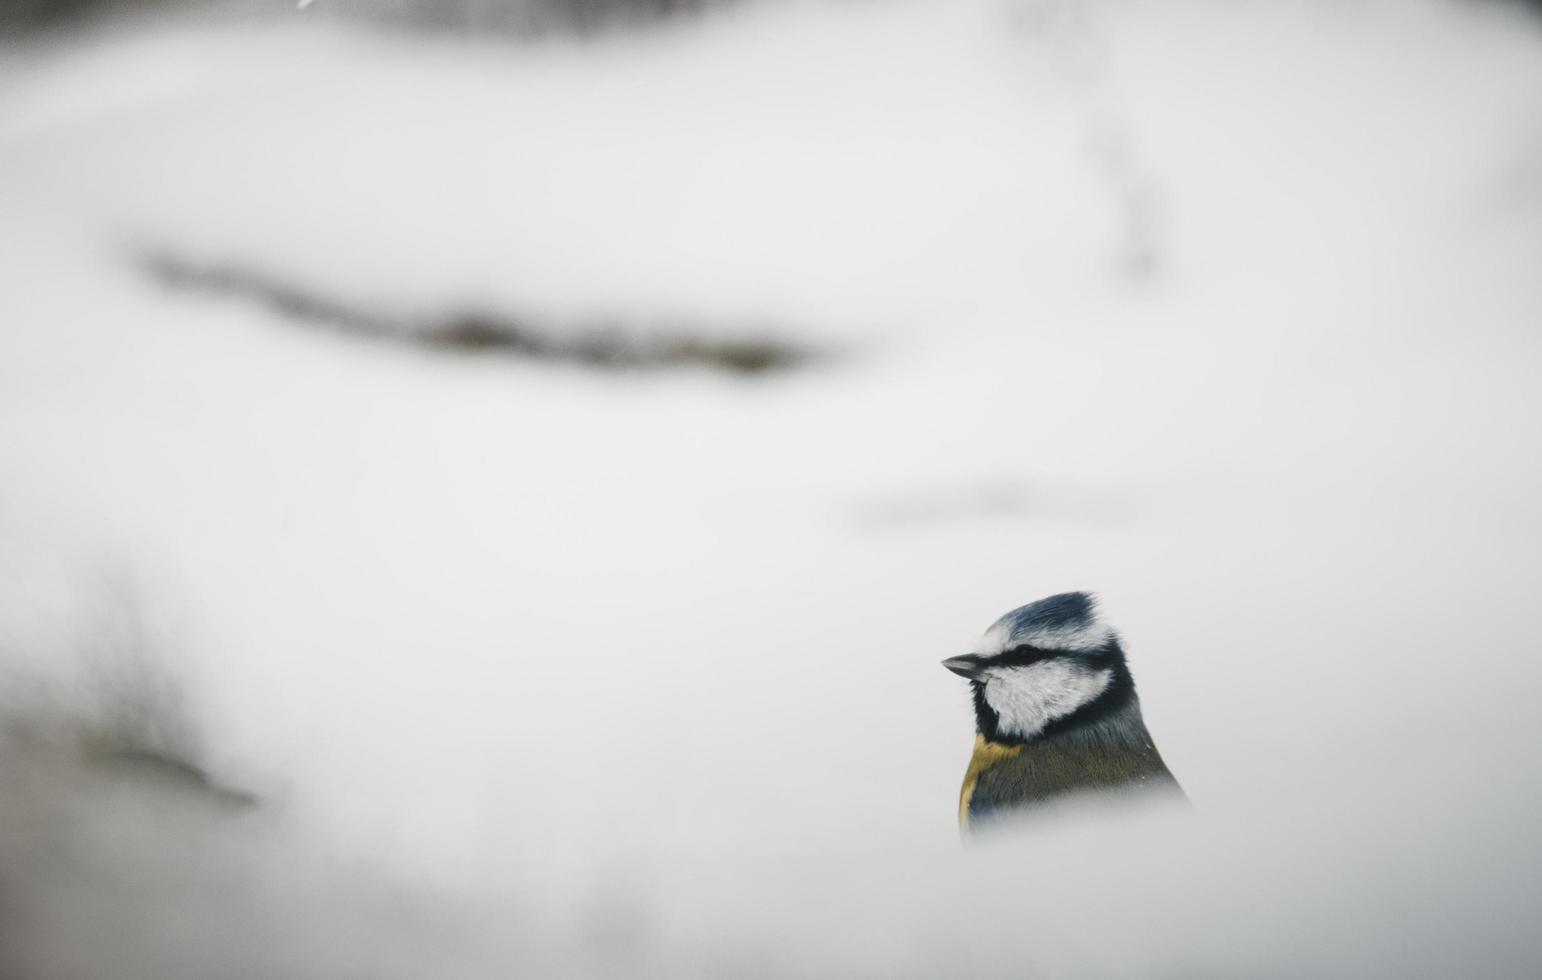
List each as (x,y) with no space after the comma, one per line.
(1227,313)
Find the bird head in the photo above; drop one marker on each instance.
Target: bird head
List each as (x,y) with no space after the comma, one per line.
(1044,668)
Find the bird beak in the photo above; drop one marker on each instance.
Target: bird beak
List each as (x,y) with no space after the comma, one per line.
(966,666)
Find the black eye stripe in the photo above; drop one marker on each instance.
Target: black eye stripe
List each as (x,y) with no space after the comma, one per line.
(1023,656)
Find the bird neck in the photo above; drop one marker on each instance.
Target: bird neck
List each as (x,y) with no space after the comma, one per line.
(1114,752)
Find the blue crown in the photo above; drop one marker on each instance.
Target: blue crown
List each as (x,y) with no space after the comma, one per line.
(1068,621)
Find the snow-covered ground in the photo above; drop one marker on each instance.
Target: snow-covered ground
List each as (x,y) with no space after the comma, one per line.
(1229,312)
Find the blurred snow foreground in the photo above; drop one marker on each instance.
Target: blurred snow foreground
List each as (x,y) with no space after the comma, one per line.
(337,642)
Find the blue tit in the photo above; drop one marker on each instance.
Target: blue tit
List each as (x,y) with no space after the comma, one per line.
(1055,713)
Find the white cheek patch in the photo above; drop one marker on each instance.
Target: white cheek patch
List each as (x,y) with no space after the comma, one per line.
(1026,699)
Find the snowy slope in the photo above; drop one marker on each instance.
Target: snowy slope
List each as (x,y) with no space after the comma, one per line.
(1227,312)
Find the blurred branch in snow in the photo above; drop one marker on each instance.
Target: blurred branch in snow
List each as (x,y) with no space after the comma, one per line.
(609,346)
(115,706)
(510,17)
(21,17)
(470,17)
(1064,35)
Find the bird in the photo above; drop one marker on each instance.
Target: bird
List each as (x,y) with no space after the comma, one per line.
(1056,715)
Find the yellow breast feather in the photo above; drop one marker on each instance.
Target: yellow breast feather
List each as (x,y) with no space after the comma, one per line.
(986,754)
